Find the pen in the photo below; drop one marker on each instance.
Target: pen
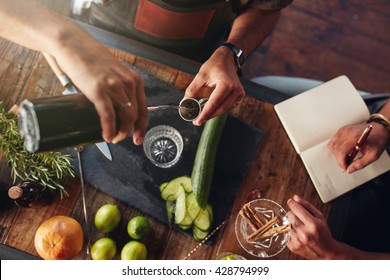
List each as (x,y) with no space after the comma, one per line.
(362,140)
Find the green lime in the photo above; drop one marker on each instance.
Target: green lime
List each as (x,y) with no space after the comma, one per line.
(103,249)
(107,218)
(134,250)
(229,257)
(138,227)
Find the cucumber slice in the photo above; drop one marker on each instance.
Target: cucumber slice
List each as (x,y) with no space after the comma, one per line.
(185,227)
(170,206)
(202,220)
(199,234)
(171,191)
(163,185)
(210,210)
(184,181)
(192,206)
(180,207)
(187,221)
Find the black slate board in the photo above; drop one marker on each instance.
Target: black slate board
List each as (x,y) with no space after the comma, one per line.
(133,179)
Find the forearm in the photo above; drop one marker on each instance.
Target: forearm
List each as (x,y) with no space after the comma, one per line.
(347,252)
(386,109)
(33,25)
(251,28)
(381,123)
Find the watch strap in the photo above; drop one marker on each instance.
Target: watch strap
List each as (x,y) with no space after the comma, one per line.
(238,53)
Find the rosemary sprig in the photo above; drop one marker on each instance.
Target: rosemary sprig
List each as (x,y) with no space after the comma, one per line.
(46,168)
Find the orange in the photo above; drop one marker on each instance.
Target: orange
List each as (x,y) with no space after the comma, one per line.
(59,238)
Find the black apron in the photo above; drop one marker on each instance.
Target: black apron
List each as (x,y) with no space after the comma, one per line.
(190,28)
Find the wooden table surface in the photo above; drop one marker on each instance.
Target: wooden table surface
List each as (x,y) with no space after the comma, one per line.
(276,169)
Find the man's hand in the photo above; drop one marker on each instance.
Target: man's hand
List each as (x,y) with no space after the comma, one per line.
(219,74)
(310,235)
(111,86)
(346,138)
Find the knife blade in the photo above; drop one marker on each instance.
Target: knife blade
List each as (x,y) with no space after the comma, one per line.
(104,149)
(71,89)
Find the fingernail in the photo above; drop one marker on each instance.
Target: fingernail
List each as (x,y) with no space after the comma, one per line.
(140,140)
(289,200)
(351,170)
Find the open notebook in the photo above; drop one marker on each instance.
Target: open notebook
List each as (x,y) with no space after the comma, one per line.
(311,119)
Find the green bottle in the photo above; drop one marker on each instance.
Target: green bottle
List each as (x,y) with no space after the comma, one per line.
(57,122)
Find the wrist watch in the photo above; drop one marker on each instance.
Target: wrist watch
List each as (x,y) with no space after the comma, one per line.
(238,53)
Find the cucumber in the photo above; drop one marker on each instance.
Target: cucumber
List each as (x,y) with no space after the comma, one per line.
(162,186)
(203,170)
(199,234)
(202,220)
(192,206)
(187,221)
(171,191)
(185,227)
(210,210)
(170,206)
(184,181)
(180,207)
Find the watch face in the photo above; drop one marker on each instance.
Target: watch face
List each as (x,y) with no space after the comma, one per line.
(240,58)
(238,54)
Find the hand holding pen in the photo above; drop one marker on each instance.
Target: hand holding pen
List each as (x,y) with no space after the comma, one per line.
(359,145)
(348,141)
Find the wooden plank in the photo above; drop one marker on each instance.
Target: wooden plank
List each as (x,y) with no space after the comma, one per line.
(341,38)
(306,60)
(324,39)
(15,69)
(366,17)
(7,207)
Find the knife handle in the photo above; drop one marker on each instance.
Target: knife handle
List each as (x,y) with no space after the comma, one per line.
(64,80)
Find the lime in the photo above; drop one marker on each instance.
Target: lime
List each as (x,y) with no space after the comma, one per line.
(107,218)
(134,250)
(103,249)
(138,227)
(229,257)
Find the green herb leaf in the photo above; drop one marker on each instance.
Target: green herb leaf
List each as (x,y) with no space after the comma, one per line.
(47,168)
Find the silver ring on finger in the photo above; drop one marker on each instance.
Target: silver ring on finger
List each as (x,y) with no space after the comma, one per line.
(125,106)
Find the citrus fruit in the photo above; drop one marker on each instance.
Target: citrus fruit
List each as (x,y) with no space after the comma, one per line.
(59,238)
(103,249)
(138,227)
(107,218)
(229,257)
(134,250)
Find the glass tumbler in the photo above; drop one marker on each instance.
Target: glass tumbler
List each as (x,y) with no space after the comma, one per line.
(163,146)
